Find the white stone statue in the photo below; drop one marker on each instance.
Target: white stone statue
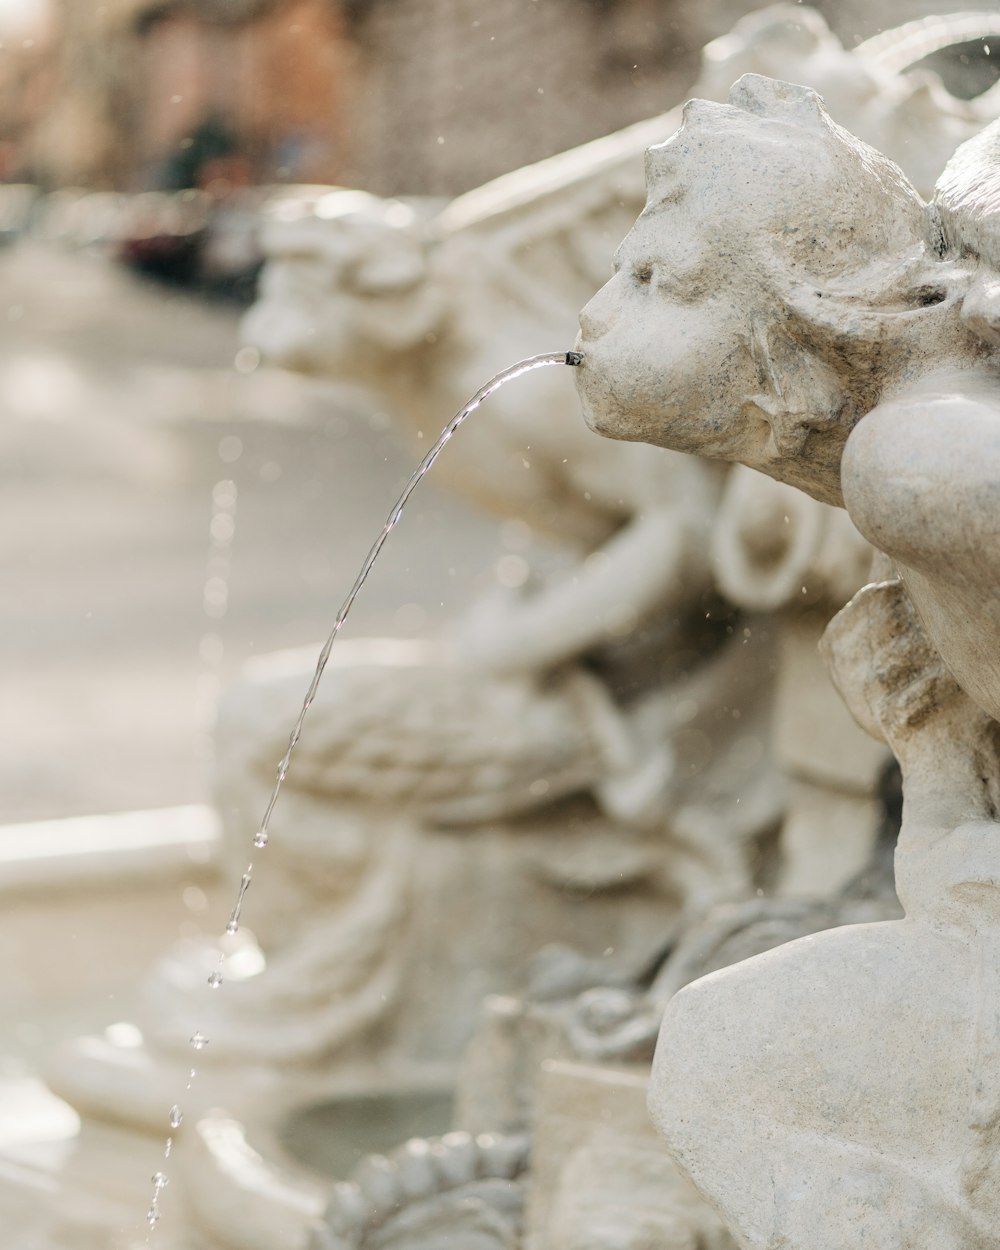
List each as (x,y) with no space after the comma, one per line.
(788,301)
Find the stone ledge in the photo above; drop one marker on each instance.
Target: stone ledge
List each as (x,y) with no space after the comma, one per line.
(151,846)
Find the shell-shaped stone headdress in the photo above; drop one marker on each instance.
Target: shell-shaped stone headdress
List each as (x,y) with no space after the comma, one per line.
(796,183)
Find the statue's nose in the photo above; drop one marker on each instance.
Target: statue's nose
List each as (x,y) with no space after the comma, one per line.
(596,318)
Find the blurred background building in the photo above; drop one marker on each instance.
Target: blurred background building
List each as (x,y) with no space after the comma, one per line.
(415,96)
(170,93)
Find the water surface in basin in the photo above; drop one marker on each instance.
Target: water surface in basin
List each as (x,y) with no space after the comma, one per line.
(333,1137)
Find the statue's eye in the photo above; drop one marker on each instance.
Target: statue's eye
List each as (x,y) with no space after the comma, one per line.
(643,274)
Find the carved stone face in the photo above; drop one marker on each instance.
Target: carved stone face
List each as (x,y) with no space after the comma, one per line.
(343,287)
(667,341)
(767,228)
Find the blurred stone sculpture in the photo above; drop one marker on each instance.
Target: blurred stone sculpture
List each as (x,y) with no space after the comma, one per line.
(841,336)
(457,1192)
(775,551)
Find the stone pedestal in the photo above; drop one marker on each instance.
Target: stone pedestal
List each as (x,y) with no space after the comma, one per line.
(600,1176)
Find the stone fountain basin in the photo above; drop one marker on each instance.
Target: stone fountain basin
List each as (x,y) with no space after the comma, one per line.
(256,1185)
(332,1137)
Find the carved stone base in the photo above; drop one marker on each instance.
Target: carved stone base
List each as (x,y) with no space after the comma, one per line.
(600,1176)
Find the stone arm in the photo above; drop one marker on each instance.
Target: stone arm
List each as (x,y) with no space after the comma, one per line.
(655,563)
(921,473)
(921,480)
(898,688)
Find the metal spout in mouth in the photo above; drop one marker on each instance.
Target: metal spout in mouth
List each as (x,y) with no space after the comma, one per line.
(574,358)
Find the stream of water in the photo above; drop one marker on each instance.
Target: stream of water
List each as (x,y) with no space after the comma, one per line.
(198,1041)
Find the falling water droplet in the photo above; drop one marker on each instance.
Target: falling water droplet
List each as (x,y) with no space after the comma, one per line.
(215,980)
(232,926)
(152,1215)
(160,1180)
(176,1116)
(261,839)
(168,1147)
(198,1041)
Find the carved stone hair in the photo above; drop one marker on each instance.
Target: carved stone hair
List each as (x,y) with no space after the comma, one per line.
(967,200)
(967,197)
(846,212)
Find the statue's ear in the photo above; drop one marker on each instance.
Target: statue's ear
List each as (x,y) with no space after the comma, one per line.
(800,391)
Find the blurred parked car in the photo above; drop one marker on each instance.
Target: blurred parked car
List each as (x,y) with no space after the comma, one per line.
(201,239)
(163,234)
(211,242)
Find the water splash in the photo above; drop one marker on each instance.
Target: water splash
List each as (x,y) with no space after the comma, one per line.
(261,837)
